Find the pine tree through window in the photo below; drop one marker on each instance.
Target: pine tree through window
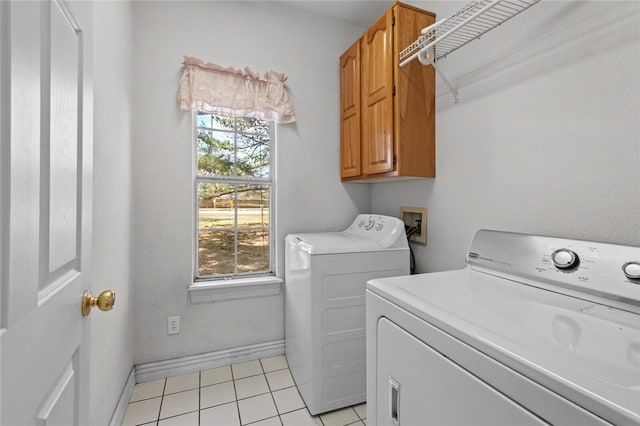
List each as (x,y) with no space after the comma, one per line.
(234,187)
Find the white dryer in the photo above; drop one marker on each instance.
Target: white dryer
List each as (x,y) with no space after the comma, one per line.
(325,280)
(535,331)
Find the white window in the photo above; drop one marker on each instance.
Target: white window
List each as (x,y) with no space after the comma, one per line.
(233,197)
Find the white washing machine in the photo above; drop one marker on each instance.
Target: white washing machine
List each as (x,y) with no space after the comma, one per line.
(535,331)
(325,280)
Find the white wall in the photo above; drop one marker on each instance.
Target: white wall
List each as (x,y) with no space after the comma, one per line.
(112,344)
(546,137)
(310,197)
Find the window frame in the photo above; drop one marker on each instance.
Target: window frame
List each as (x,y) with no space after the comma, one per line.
(270,182)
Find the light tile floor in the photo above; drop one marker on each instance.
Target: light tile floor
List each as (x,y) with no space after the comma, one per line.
(260,393)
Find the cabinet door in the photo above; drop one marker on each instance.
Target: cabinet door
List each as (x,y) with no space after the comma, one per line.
(377,97)
(350,112)
(414,119)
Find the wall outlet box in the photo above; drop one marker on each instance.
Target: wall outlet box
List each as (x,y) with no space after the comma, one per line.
(415,217)
(173,325)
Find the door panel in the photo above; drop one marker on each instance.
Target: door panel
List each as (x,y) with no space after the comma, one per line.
(21,145)
(379,154)
(63,136)
(46,151)
(350,147)
(61,399)
(350,112)
(377,97)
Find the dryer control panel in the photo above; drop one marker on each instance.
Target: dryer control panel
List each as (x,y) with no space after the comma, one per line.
(603,270)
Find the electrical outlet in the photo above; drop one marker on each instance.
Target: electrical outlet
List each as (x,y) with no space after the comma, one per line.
(173,325)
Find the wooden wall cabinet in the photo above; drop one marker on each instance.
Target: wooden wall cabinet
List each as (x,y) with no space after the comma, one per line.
(387,113)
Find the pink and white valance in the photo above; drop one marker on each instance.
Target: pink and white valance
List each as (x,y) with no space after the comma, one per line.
(213,89)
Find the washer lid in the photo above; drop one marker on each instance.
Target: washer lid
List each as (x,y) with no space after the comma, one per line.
(577,348)
(336,242)
(366,233)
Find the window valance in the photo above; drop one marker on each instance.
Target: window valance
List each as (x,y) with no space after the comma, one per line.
(213,89)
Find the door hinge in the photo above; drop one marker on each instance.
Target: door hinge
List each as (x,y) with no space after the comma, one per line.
(393,91)
(395,159)
(393,20)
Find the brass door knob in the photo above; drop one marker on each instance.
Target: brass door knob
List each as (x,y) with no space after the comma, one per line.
(105,301)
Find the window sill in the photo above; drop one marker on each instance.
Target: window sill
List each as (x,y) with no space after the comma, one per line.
(242,288)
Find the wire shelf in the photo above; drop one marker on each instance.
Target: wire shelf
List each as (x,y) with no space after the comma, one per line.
(469,23)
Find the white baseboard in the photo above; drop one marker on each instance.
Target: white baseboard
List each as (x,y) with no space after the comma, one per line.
(121,407)
(190,364)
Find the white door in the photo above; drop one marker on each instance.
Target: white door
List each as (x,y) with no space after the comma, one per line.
(45,216)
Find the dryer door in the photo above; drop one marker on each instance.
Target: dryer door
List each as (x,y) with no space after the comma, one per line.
(418,386)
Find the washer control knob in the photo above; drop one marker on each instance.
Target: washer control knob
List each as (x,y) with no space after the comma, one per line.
(565,259)
(631,270)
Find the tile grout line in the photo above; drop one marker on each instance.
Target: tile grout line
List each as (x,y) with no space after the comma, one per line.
(272,397)
(235,393)
(258,421)
(270,392)
(305,403)
(174,416)
(319,416)
(296,386)
(359,416)
(161,400)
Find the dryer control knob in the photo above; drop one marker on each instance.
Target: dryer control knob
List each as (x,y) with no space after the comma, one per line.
(631,270)
(565,259)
